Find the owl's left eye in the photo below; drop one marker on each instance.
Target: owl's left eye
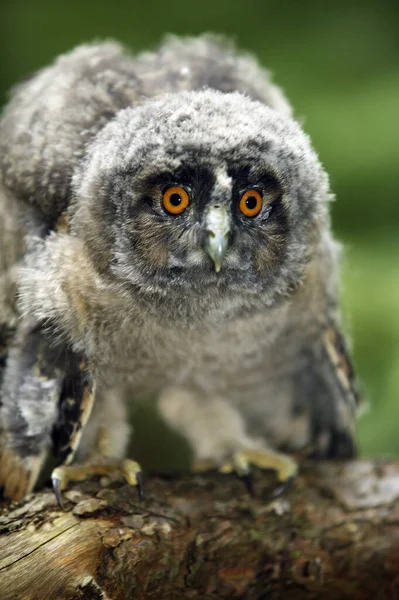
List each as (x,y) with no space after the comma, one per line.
(251,203)
(175,200)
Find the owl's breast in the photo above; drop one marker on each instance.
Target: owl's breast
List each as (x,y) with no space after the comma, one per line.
(212,357)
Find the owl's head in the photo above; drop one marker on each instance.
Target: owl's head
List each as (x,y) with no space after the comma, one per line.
(204,192)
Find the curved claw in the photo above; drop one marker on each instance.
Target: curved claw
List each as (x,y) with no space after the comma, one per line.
(284,466)
(140,486)
(56,483)
(247,479)
(281,489)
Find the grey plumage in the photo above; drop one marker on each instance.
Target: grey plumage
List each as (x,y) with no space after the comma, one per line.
(239,358)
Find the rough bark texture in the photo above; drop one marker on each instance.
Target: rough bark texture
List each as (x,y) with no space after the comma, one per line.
(335,534)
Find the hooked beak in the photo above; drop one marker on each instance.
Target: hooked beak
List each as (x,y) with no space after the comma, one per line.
(217,224)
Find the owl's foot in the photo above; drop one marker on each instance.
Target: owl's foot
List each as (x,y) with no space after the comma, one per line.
(264,458)
(126,469)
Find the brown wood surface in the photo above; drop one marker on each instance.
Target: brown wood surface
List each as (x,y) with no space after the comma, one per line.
(334,534)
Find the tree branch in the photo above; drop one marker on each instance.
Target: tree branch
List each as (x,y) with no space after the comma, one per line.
(334,535)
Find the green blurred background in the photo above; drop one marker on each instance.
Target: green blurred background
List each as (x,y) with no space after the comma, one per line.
(338,63)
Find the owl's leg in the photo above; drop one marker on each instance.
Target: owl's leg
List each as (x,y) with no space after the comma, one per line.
(103,446)
(32,382)
(216,432)
(327,391)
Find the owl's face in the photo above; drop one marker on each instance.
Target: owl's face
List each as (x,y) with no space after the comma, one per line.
(202,191)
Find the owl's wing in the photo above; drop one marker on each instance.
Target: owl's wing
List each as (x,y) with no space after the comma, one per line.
(341,364)
(45,401)
(52,116)
(32,383)
(332,396)
(74,408)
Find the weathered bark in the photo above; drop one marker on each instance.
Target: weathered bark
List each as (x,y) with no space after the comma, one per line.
(335,534)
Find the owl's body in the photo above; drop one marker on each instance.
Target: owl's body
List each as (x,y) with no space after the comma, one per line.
(239,341)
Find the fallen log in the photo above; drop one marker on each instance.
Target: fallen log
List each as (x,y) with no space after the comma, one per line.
(333,535)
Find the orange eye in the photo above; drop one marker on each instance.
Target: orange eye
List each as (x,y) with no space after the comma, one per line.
(175,200)
(251,203)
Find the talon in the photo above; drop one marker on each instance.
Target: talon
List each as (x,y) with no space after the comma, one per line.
(140,486)
(56,482)
(249,484)
(281,489)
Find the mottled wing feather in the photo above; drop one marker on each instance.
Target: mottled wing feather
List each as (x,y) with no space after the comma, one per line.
(46,400)
(339,358)
(75,406)
(32,384)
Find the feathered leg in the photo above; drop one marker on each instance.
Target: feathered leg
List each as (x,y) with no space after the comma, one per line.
(217,434)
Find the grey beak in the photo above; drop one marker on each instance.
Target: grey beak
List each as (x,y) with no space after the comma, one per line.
(218,228)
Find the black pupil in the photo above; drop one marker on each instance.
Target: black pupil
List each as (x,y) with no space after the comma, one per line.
(251,202)
(175,199)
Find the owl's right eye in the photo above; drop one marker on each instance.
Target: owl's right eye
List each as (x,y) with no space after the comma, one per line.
(175,200)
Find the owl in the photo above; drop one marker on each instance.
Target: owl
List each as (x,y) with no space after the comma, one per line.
(165,229)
